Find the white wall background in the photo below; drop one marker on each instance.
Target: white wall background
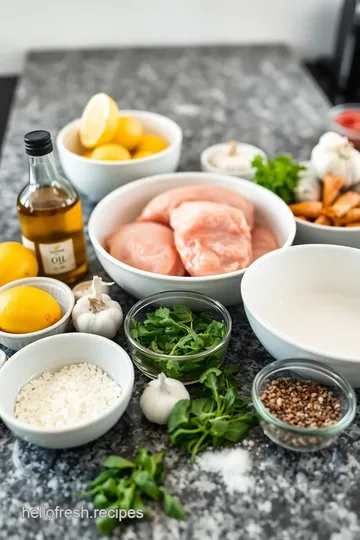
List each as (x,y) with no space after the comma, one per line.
(308,26)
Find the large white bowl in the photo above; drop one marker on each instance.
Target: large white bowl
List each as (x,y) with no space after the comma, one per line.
(50,354)
(316,268)
(125,204)
(58,290)
(96,178)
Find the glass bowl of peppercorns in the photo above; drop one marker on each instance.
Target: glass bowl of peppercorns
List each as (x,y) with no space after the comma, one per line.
(302,404)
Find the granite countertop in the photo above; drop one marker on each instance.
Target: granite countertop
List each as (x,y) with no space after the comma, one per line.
(256,94)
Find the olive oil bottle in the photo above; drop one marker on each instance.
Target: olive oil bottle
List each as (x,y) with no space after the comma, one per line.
(50,215)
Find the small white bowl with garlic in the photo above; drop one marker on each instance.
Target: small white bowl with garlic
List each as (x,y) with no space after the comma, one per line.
(43,359)
(233,158)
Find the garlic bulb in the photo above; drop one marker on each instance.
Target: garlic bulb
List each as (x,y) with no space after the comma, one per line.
(97,313)
(87,288)
(160,396)
(336,155)
(309,186)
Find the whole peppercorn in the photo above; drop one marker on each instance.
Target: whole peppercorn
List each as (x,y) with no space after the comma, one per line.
(301,403)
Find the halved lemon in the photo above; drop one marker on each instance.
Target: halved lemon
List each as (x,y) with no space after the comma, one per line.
(99,121)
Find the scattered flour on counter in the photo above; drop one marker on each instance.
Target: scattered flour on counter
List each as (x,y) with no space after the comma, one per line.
(233,465)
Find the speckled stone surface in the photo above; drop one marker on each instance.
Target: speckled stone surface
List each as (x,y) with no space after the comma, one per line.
(256,94)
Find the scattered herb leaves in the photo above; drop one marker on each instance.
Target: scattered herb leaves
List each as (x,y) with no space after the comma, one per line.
(179,332)
(130,485)
(280,175)
(221,416)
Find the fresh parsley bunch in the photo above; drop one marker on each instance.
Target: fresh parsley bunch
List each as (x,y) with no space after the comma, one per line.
(280,175)
(219,417)
(130,485)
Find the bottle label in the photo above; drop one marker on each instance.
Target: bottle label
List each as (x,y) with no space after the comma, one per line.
(58,258)
(28,243)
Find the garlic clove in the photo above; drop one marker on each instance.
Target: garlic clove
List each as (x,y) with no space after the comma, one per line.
(85,288)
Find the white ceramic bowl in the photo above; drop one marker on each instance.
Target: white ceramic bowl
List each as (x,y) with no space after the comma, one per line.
(96,178)
(312,233)
(58,290)
(125,204)
(208,153)
(317,268)
(50,354)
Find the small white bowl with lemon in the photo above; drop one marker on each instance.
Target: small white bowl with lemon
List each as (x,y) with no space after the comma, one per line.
(33,308)
(108,147)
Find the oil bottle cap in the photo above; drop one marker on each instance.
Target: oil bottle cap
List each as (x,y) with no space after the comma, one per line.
(38,143)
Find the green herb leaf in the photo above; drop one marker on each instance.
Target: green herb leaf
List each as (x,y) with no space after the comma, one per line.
(117,462)
(172,505)
(236,431)
(218,427)
(179,415)
(101,501)
(106,525)
(145,481)
(280,175)
(104,475)
(220,417)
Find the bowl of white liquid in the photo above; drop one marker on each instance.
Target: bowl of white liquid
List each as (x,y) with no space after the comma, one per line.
(304,302)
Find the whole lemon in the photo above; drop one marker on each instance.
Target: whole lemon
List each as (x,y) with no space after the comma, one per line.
(129,132)
(27,309)
(142,154)
(152,143)
(111,152)
(16,262)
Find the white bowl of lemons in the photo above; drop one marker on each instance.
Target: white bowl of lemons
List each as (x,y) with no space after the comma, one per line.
(33,308)
(108,147)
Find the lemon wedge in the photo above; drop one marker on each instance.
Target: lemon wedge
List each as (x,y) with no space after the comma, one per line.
(99,121)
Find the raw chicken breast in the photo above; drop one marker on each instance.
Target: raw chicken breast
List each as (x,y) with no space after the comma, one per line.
(263,241)
(146,246)
(211,238)
(160,208)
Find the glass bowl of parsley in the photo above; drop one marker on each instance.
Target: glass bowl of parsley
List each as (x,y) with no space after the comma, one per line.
(178,333)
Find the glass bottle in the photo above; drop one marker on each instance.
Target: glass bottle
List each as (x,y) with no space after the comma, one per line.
(50,215)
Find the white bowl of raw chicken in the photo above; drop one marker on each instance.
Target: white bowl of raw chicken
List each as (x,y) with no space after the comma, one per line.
(125,204)
(304,302)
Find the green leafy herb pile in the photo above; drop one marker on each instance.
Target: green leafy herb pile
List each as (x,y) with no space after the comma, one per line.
(280,175)
(128,485)
(179,332)
(219,417)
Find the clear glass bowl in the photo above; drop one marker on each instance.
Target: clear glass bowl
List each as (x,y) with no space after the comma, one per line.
(188,368)
(292,437)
